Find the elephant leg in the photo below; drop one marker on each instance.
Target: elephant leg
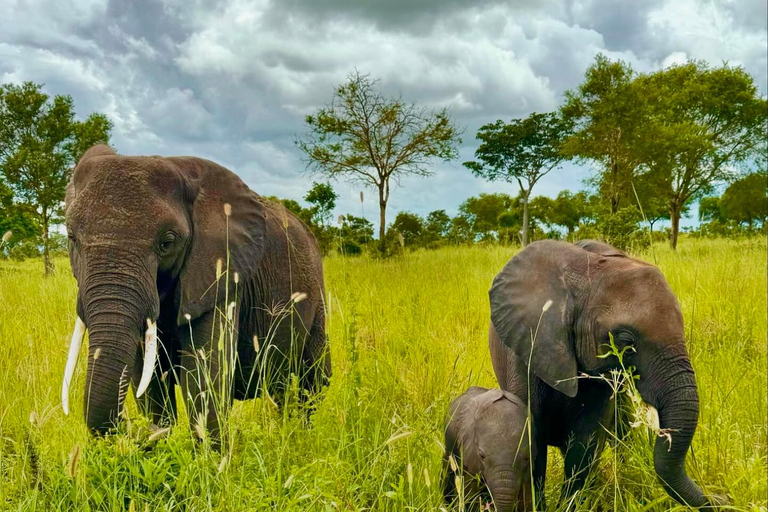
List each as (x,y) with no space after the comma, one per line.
(540,473)
(159,401)
(585,442)
(316,359)
(207,370)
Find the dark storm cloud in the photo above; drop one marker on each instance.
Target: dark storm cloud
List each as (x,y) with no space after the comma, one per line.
(231,80)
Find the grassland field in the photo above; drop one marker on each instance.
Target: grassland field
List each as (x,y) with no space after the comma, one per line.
(407,335)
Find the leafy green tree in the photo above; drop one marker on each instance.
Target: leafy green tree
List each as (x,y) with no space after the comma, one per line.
(569,210)
(745,201)
(607,112)
(703,122)
(368,138)
(482,213)
(323,198)
(16,219)
(709,209)
(460,231)
(521,151)
(40,142)
(358,229)
(651,193)
(540,210)
(410,226)
(436,227)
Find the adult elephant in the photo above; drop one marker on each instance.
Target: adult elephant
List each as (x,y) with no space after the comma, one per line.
(187,277)
(552,308)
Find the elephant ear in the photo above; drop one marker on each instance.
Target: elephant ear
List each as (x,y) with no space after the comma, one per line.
(600,248)
(464,428)
(532,308)
(225,216)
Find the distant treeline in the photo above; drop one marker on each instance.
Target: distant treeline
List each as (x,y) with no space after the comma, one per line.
(498,218)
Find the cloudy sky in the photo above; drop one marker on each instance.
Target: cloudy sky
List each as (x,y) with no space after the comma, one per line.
(231,80)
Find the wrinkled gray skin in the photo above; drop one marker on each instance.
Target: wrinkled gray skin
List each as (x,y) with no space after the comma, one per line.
(145,234)
(487,435)
(595,289)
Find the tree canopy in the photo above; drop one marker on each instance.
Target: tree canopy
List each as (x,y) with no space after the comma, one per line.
(521,151)
(40,142)
(366,137)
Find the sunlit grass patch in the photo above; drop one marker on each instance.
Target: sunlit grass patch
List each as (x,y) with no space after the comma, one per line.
(407,336)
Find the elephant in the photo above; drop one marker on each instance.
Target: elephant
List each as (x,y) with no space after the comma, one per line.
(487,434)
(186,277)
(553,306)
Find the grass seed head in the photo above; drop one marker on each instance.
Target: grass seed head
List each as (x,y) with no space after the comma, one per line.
(7,236)
(227,209)
(546,306)
(298,297)
(74,456)
(219,266)
(256,343)
(96,353)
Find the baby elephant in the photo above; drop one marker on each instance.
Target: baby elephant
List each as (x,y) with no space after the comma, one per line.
(487,435)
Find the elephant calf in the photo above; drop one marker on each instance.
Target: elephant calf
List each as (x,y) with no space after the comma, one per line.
(487,435)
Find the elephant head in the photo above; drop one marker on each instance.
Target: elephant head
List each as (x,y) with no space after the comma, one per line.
(555,304)
(490,430)
(146,231)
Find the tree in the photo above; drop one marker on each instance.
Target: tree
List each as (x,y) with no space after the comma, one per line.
(410,226)
(709,209)
(702,122)
(482,213)
(460,231)
(16,219)
(40,142)
(521,151)
(436,227)
(323,198)
(745,201)
(651,193)
(569,210)
(369,138)
(607,111)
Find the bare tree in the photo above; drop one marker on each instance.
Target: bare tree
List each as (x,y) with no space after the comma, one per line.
(365,137)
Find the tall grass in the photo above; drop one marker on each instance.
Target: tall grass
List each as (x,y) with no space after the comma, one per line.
(407,335)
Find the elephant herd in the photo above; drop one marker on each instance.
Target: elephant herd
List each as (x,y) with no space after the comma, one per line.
(188,278)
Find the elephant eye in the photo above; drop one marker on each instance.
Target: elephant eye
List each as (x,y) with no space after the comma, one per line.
(167,242)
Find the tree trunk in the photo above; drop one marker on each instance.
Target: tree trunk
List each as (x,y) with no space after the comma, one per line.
(615,186)
(525,218)
(674,217)
(382,220)
(46,254)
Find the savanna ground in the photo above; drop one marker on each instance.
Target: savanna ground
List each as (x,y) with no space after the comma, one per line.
(406,335)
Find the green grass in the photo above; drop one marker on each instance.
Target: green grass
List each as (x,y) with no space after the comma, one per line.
(407,335)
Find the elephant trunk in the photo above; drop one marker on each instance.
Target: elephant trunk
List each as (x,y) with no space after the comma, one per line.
(504,484)
(671,388)
(117,306)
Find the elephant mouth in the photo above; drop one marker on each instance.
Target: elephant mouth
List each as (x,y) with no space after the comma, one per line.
(150,359)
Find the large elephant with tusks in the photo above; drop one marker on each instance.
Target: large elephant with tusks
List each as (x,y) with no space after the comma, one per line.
(187,277)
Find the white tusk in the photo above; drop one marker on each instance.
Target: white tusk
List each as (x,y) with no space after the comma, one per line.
(69,370)
(150,357)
